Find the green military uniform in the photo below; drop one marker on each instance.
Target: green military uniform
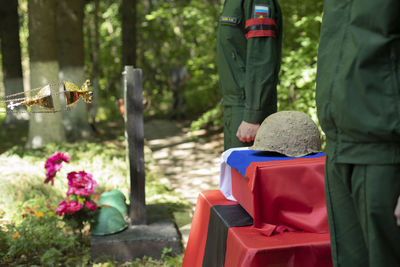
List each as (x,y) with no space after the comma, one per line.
(358,103)
(248,52)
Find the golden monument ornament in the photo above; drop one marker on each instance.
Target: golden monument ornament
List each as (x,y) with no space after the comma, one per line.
(44,98)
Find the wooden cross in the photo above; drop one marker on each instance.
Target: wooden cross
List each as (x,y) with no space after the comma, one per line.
(134,132)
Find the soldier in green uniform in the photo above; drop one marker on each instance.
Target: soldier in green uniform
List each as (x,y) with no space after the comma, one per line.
(248,52)
(358,104)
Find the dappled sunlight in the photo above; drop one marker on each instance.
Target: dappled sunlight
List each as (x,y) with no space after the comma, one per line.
(196,181)
(190,145)
(164,181)
(180,153)
(21,180)
(203,171)
(161,154)
(191,164)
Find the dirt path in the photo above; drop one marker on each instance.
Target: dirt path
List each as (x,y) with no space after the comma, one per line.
(192,164)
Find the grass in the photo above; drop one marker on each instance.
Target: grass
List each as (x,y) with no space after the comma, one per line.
(21,186)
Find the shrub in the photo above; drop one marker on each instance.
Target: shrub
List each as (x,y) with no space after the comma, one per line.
(41,238)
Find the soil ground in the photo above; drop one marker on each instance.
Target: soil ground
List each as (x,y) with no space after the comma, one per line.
(191,161)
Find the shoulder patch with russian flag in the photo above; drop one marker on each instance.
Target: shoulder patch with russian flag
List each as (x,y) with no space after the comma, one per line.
(261,12)
(261,24)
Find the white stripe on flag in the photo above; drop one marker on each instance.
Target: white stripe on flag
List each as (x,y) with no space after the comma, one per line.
(261,8)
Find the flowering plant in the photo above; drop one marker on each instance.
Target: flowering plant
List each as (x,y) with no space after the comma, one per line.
(78,207)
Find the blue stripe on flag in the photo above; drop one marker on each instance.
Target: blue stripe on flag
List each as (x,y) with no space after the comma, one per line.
(241,160)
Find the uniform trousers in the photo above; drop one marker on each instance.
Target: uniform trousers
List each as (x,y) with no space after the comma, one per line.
(360,201)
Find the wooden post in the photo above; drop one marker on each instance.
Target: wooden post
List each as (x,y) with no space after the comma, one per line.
(134,132)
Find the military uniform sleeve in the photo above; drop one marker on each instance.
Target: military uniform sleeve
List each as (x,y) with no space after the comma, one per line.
(263,27)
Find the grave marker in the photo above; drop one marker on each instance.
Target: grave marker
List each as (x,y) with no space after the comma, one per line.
(134,132)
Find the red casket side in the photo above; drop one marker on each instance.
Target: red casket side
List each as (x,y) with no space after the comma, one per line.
(287,193)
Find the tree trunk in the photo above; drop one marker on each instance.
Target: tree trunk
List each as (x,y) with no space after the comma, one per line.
(95,63)
(11,56)
(71,60)
(44,127)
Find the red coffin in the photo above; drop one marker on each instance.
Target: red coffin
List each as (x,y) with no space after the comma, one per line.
(248,247)
(284,195)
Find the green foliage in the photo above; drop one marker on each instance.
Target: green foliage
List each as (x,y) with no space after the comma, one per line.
(166,261)
(185,33)
(3,241)
(51,257)
(213,117)
(109,54)
(169,259)
(166,30)
(40,238)
(302,22)
(187,29)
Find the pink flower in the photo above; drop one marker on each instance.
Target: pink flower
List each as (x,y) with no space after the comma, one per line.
(74,206)
(68,207)
(53,165)
(62,208)
(81,183)
(90,205)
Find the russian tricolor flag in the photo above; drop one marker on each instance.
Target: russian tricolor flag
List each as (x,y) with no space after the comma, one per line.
(261,12)
(240,159)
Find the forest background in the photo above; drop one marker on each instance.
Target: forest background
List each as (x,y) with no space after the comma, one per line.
(47,41)
(161,31)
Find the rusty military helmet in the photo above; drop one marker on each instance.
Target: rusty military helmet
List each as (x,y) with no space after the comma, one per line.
(292,133)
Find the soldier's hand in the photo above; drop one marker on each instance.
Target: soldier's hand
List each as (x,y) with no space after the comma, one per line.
(397,212)
(247,131)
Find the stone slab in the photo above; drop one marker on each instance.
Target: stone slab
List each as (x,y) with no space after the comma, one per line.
(138,241)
